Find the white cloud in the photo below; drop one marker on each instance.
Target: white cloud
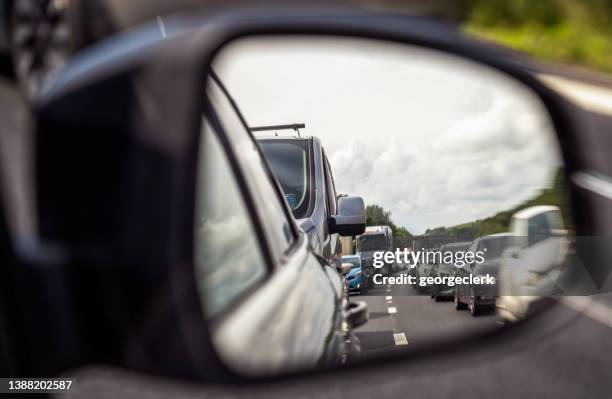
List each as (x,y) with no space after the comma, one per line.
(436,140)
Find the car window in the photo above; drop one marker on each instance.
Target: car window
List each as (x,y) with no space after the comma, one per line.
(474,247)
(228,256)
(262,184)
(555,220)
(372,242)
(290,163)
(538,229)
(332,201)
(495,246)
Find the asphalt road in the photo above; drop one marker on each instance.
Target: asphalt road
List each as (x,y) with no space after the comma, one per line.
(400,316)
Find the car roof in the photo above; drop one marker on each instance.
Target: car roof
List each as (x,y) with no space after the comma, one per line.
(456,244)
(534,210)
(376,230)
(270,137)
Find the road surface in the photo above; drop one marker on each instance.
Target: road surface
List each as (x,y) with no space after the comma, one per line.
(400,316)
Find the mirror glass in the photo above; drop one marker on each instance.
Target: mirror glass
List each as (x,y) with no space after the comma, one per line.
(467,217)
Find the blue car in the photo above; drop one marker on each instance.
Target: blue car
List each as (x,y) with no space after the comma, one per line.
(356,282)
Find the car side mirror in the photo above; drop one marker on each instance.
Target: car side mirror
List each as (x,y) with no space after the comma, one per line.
(344,268)
(357,314)
(351,217)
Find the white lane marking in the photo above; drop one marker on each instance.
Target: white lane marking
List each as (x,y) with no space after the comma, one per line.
(400,339)
(590,308)
(162,27)
(590,97)
(388,298)
(392,310)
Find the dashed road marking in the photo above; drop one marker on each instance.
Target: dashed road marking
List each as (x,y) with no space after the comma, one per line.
(388,298)
(392,310)
(400,339)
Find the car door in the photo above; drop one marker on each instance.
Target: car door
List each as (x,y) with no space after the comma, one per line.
(333,246)
(274,306)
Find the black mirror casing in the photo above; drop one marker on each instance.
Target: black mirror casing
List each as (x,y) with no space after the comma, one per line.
(351,217)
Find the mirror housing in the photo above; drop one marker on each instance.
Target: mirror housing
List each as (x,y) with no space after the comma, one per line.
(351,217)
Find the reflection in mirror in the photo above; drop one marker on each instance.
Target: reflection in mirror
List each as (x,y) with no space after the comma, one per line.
(461,175)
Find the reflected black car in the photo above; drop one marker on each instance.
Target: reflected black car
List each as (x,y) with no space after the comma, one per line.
(480,297)
(442,269)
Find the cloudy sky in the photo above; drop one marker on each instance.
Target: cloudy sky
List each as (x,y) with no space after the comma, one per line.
(436,140)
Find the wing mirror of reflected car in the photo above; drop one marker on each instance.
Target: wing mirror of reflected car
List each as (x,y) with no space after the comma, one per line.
(357,313)
(344,268)
(351,217)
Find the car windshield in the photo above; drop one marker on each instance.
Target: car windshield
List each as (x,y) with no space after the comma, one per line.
(372,242)
(495,246)
(289,162)
(355,261)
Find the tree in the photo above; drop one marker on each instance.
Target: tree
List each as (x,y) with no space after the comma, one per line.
(376,215)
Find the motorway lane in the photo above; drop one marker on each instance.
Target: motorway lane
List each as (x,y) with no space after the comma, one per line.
(400,309)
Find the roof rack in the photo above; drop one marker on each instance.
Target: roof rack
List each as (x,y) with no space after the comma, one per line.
(293,126)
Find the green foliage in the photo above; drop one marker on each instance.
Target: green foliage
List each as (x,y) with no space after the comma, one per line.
(573,31)
(556,195)
(376,215)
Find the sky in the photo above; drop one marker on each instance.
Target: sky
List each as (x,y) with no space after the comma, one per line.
(433,138)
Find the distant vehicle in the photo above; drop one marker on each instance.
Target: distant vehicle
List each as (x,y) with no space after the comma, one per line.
(422,269)
(374,239)
(532,264)
(442,269)
(303,172)
(478,297)
(356,282)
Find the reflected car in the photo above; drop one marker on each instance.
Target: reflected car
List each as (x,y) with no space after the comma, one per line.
(375,239)
(531,266)
(356,281)
(478,298)
(441,269)
(305,176)
(420,270)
